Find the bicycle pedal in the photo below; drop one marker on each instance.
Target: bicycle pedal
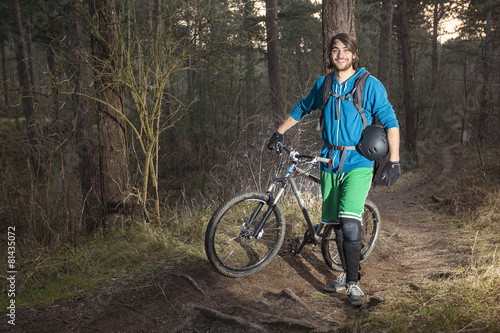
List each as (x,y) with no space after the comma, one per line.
(292,248)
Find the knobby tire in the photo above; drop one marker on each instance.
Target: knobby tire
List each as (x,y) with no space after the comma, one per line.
(370,231)
(229,244)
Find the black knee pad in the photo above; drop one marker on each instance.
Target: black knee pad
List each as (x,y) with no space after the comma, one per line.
(351,229)
(352,255)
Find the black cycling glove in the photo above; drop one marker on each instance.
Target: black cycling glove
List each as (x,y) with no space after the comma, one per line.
(277,137)
(392,171)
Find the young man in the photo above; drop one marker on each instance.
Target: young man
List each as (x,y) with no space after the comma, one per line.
(345,183)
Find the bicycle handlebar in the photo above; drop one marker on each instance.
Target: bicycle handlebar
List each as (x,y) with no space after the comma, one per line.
(294,155)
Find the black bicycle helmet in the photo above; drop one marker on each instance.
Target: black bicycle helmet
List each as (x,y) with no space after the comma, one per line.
(373,144)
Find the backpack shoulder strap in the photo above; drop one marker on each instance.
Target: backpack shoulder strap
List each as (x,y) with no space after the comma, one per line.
(327,88)
(358,96)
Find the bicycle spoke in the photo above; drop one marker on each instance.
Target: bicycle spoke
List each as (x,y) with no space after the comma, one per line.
(245,233)
(229,255)
(235,250)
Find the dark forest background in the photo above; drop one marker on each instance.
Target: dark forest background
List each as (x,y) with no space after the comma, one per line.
(119,111)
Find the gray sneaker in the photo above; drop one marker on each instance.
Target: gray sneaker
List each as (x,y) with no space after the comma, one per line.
(337,285)
(354,293)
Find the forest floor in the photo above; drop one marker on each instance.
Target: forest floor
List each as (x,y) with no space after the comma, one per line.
(416,246)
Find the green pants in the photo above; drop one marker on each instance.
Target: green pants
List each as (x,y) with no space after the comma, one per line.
(344,194)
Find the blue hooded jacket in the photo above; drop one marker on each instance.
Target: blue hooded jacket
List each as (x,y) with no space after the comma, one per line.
(346,131)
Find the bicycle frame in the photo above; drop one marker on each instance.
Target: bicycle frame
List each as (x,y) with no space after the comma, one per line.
(273,199)
(239,241)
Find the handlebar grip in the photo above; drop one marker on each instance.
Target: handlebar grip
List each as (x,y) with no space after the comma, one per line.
(324,160)
(281,146)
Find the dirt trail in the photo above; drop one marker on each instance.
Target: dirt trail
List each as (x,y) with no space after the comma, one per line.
(414,246)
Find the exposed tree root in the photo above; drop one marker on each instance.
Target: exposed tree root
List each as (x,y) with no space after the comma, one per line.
(193,282)
(219,319)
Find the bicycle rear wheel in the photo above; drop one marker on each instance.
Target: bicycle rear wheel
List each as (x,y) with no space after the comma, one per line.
(230,245)
(370,231)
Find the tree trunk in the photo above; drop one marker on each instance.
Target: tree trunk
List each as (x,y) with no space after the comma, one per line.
(157,31)
(384,62)
(85,143)
(113,148)
(51,62)
(154,16)
(26,82)
(4,74)
(249,66)
(485,95)
(29,49)
(438,13)
(384,68)
(338,16)
(273,62)
(410,112)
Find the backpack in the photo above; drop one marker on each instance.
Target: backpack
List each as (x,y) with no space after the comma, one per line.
(355,96)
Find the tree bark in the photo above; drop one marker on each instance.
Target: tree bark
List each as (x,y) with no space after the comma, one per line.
(26,82)
(249,66)
(384,63)
(437,15)
(485,89)
(273,62)
(29,49)
(4,74)
(338,16)
(85,143)
(51,62)
(410,111)
(384,68)
(113,147)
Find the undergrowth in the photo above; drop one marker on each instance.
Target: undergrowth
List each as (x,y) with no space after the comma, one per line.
(468,300)
(123,256)
(116,257)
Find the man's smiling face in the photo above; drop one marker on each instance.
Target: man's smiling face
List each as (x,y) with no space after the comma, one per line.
(342,57)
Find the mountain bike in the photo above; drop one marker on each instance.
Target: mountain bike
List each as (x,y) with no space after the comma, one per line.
(247,230)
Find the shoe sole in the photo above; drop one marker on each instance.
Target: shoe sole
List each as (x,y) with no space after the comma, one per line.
(358,302)
(325,288)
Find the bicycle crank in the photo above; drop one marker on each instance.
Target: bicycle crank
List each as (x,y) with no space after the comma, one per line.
(294,248)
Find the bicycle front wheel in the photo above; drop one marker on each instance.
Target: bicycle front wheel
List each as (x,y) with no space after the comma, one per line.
(370,230)
(231,245)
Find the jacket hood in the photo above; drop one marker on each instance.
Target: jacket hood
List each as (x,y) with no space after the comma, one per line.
(350,81)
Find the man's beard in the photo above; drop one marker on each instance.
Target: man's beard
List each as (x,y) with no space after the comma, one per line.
(344,66)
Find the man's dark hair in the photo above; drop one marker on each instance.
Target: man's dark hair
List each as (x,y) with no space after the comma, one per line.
(350,42)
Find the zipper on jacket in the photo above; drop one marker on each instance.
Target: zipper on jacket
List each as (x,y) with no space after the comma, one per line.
(338,88)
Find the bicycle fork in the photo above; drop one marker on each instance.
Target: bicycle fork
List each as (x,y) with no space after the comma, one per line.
(273,199)
(257,232)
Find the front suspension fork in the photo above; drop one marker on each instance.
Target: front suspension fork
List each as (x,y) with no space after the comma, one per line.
(273,199)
